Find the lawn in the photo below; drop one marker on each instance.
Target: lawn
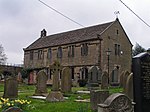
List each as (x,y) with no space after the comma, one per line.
(69,105)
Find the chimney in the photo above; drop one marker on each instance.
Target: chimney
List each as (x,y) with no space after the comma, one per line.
(43,33)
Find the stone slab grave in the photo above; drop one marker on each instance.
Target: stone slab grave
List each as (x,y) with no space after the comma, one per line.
(13,109)
(141,82)
(10,88)
(97,97)
(114,77)
(125,77)
(55,95)
(94,76)
(105,78)
(116,103)
(66,81)
(41,87)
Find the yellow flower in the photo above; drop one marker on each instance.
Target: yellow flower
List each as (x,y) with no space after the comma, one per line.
(8,104)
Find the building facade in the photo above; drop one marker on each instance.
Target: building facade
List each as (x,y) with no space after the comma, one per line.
(106,46)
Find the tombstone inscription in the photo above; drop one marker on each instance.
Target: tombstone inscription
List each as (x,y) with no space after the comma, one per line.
(141,82)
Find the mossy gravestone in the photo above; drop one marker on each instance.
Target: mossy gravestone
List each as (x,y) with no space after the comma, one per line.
(141,82)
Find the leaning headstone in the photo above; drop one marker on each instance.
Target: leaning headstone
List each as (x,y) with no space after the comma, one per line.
(13,109)
(93,77)
(66,81)
(41,79)
(55,95)
(11,88)
(116,103)
(97,97)
(141,82)
(105,80)
(129,86)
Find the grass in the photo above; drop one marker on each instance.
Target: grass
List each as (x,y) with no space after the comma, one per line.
(68,105)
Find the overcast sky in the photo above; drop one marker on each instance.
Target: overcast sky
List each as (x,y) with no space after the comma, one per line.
(22,20)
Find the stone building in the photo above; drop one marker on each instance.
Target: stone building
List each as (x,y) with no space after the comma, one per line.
(106,46)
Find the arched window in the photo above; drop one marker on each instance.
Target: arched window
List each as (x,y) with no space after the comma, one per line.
(59,53)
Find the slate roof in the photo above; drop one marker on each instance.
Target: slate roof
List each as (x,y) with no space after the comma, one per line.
(79,35)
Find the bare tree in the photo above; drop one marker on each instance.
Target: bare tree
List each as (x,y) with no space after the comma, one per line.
(3,57)
(138,49)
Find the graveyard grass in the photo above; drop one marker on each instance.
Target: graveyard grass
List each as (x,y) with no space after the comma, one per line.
(69,105)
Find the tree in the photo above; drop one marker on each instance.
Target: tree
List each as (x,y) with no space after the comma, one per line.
(138,49)
(3,57)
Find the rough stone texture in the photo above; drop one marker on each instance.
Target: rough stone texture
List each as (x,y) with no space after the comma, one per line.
(129,86)
(41,87)
(13,109)
(97,97)
(55,96)
(10,88)
(105,78)
(141,80)
(114,77)
(93,57)
(116,103)
(66,81)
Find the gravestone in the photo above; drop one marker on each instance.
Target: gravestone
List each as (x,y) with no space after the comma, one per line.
(93,76)
(105,78)
(41,79)
(13,109)
(121,78)
(10,88)
(97,97)
(141,82)
(114,77)
(125,76)
(116,103)
(55,95)
(129,86)
(66,81)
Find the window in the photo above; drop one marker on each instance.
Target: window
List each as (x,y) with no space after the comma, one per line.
(49,54)
(84,49)
(31,55)
(71,51)
(40,54)
(59,53)
(117,49)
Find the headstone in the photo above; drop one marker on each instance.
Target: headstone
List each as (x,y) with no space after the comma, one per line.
(129,86)
(66,81)
(19,77)
(105,78)
(41,88)
(97,97)
(125,76)
(93,77)
(55,95)
(55,67)
(116,103)
(141,82)
(30,79)
(114,77)
(13,109)
(121,78)
(10,88)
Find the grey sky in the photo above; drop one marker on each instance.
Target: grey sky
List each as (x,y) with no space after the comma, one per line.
(22,20)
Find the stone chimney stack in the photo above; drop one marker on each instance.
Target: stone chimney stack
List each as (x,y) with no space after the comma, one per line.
(43,33)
